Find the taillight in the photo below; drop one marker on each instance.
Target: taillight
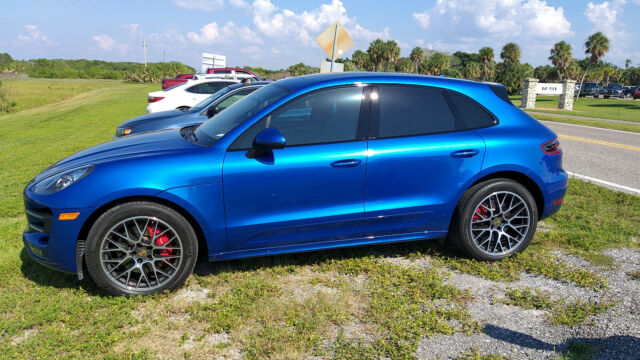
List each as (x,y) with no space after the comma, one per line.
(155,98)
(551,147)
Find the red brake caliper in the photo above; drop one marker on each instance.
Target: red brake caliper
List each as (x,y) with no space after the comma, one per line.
(160,241)
(480,212)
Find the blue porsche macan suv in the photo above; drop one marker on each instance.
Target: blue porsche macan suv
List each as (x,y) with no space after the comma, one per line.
(306,163)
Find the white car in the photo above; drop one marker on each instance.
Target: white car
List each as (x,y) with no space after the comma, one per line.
(185,95)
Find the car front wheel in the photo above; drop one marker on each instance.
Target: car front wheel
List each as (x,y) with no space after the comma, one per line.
(140,248)
(495,219)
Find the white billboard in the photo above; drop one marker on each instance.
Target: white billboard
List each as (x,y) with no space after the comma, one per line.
(548,88)
(213,61)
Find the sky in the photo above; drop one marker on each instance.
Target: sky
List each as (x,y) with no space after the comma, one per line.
(276,34)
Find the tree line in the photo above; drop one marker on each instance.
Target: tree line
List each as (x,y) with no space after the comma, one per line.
(92,69)
(385,56)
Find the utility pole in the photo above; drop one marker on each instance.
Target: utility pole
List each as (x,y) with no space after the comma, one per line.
(144,45)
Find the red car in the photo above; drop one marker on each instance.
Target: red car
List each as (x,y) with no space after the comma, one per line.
(179,79)
(230,71)
(636,93)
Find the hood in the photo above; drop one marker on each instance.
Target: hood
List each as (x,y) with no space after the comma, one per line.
(148,144)
(162,115)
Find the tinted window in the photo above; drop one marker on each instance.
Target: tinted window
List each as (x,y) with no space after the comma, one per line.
(222,72)
(218,126)
(321,117)
(233,98)
(473,116)
(413,110)
(208,88)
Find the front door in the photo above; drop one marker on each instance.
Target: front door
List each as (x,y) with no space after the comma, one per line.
(310,191)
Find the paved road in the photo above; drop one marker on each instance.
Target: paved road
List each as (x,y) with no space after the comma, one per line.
(609,158)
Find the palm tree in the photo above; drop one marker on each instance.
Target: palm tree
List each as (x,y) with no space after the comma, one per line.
(510,53)
(359,59)
(607,72)
(561,57)
(472,71)
(438,63)
(627,63)
(597,45)
(391,53)
(404,65)
(417,55)
(485,55)
(376,52)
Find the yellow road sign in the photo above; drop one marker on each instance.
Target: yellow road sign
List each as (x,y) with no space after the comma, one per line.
(343,44)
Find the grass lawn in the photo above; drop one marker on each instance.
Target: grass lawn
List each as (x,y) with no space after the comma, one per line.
(367,302)
(36,92)
(616,109)
(587,122)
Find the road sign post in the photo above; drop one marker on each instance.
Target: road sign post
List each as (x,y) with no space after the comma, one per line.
(335,41)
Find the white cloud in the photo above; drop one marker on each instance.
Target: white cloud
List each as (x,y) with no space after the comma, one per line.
(305,26)
(422,19)
(604,17)
(107,43)
(134,29)
(213,33)
(204,5)
(34,35)
(241,4)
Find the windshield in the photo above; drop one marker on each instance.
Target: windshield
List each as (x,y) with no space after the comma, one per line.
(199,106)
(217,127)
(590,85)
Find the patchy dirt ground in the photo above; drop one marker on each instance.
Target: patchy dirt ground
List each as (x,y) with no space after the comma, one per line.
(528,334)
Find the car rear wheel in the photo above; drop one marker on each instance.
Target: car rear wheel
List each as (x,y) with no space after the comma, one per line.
(141,248)
(183,108)
(494,219)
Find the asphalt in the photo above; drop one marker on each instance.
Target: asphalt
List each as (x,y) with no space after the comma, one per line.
(610,158)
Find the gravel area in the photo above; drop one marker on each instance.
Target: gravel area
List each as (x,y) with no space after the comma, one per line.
(528,334)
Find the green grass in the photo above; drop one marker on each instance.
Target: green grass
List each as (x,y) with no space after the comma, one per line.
(586,122)
(616,109)
(561,312)
(350,303)
(37,92)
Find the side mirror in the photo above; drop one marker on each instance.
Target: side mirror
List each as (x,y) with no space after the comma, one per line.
(266,140)
(211,111)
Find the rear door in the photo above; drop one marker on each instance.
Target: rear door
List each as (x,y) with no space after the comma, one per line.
(420,154)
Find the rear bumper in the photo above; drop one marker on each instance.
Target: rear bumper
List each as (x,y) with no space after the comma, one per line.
(554,197)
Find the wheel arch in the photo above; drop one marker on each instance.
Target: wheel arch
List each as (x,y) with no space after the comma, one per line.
(520,178)
(202,241)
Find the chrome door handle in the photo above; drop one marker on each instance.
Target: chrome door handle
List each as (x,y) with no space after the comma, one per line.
(467,153)
(346,163)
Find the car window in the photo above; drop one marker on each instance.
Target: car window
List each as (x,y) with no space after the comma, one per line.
(233,98)
(473,115)
(209,87)
(217,127)
(324,116)
(412,110)
(222,72)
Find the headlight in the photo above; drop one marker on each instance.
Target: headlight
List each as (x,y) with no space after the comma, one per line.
(61,180)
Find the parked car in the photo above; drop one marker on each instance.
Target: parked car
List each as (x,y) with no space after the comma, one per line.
(600,90)
(305,163)
(196,115)
(184,96)
(613,90)
(589,89)
(231,72)
(628,91)
(179,79)
(636,93)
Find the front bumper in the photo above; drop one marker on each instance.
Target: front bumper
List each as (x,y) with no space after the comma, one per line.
(49,241)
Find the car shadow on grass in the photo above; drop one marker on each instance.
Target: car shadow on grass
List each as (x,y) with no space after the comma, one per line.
(45,276)
(429,247)
(618,347)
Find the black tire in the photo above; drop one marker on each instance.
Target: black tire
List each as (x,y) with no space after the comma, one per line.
(460,232)
(100,249)
(183,108)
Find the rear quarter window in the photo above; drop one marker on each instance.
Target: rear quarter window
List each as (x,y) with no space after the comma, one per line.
(473,115)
